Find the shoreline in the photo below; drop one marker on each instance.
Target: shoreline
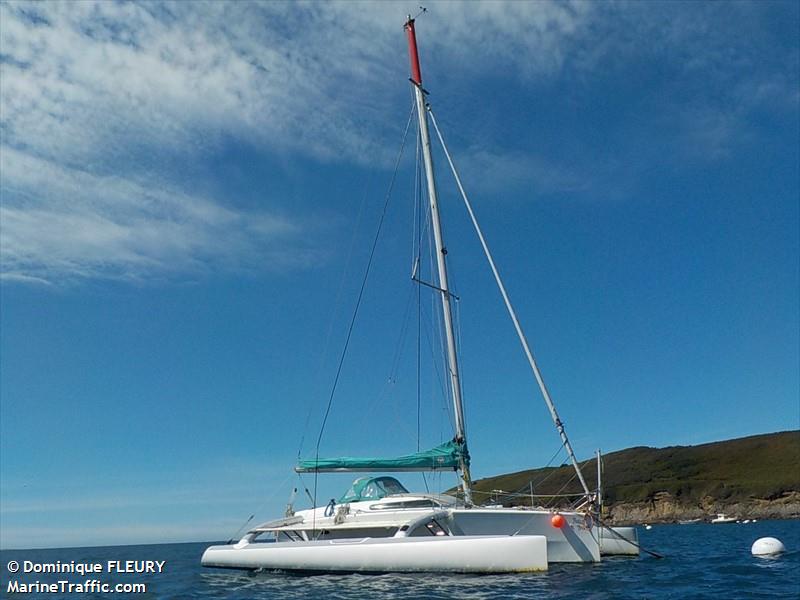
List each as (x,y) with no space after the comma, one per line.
(664,508)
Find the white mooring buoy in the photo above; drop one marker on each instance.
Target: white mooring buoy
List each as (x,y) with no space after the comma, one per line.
(767,546)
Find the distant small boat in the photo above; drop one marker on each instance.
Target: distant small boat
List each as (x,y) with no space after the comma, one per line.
(723,518)
(689,521)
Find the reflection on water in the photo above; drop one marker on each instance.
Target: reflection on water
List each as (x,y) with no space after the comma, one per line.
(333,587)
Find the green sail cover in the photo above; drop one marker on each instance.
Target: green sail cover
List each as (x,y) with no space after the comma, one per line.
(445,456)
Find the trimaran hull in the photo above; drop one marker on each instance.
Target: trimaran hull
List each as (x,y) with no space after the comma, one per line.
(456,554)
(365,526)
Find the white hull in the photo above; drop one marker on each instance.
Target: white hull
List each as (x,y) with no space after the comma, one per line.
(459,554)
(574,542)
(612,545)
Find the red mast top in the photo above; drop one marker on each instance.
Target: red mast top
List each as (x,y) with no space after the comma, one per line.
(413,56)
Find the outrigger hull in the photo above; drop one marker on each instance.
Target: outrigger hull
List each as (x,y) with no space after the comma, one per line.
(620,541)
(575,541)
(453,554)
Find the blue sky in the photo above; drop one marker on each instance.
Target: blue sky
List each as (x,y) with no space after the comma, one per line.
(189,193)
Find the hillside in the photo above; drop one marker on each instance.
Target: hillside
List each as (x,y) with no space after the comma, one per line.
(756,476)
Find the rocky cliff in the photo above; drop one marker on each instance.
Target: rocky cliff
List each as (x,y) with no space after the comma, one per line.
(664,508)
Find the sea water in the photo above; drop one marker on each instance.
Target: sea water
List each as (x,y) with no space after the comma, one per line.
(700,561)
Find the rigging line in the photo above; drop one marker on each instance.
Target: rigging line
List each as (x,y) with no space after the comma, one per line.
(551,473)
(528,495)
(388,387)
(434,333)
(401,342)
(256,511)
(337,304)
(305,488)
(423,227)
(434,323)
(438,337)
(512,313)
(419,367)
(442,383)
(555,455)
(547,476)
(561,489)
(624,539)
(417,209)
(459,348)
(417,241)
(456,312)
(570,480)
(358,301)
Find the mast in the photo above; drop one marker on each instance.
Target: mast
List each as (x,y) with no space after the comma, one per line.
(441,251)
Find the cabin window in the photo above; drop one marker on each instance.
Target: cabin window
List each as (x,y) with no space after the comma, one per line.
(405,504)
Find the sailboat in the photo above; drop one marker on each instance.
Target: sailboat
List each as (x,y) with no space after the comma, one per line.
(378,525)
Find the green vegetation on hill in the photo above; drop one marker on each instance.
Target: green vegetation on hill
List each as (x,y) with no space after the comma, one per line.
(761,466)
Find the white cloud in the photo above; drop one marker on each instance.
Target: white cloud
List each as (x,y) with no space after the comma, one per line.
(495,173)
(287,78)
(99,74)
(64,222)
(98,97)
